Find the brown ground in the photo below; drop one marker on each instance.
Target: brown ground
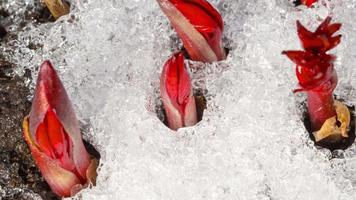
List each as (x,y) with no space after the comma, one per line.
(19,177)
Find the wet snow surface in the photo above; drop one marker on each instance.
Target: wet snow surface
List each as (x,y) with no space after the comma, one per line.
(251,143)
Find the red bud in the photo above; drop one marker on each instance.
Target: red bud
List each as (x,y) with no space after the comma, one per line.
(177,94)
(199,25)
(53,135)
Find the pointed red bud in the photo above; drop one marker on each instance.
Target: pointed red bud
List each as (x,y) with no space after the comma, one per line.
(199,25)
(53,135)
(177,94)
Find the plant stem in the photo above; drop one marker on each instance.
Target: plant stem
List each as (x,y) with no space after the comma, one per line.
(320,108)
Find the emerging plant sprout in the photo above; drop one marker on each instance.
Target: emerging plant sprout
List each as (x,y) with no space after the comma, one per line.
(53,135)
(58,8)
(200,27)
(177,94)
(317,77)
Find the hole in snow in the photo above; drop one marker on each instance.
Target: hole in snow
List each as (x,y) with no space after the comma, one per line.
(88,142)
(344,143)
(200,103)
(91,150)
(297,2)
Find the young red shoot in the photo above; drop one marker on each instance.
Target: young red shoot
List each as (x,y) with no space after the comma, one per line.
(177,94)
(53,135)
(199,25)
(315,70)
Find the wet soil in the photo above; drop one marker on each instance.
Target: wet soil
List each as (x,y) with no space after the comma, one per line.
(342,144)
(297,2)
(19,177)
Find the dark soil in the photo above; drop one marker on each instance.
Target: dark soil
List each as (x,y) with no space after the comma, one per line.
(297,2)
(19,177)
(344,143)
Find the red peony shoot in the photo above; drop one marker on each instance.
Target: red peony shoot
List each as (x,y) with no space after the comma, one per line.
(199,25)
(177,94)
(315,70)
(53,135)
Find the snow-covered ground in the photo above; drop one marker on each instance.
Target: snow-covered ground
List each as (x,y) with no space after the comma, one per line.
(251,143)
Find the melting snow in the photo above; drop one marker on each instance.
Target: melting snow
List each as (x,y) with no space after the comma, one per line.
(251,143)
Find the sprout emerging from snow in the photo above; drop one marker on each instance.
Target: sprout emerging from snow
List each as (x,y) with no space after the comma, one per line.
(177,94)
(317,76)
(53,135)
